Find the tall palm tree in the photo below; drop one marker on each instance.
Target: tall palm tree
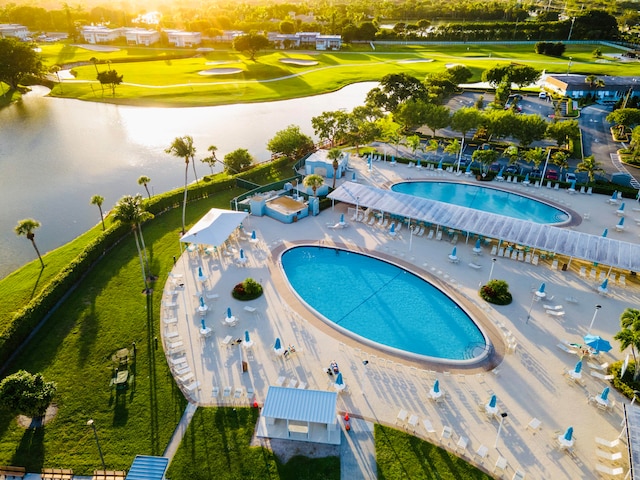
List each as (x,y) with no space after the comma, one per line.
(413,142)
(212,159)
(144,180)
(26,227)
(629,336)
(591,166)
(334,154)
(561,159)
(314,181)
(99,200)
(94,60)
(535,156)
(129,210)
(182,147)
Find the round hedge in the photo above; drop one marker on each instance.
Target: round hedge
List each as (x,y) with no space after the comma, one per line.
(248,289)
(496,292)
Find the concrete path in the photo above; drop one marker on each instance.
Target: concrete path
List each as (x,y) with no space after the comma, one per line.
(358,451)
(180,430)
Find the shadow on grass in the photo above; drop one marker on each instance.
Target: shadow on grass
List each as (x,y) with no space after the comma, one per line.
(35,285)
(31,447)
(152,345)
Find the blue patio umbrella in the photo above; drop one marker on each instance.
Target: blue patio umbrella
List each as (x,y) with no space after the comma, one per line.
(500,172)
(419,164)
(468,170)
(246,336)
(604,284)
(369,162)
(621,207)
(492,401)
(342,218)
(253,235)
(353,177)
(278,344)
(478,244)
(597,343)
(573,184)
(202,302)
(393,228)
(436,386)
(228,312)
(440,165)
(621,222)
(393,159)
(542,287)
(204,327)
(339,380)
(526,178)
(578,367)
(454,251)
(614,196)
(605,232)
(200,271)
(568,435)
(605,393)
(241,254)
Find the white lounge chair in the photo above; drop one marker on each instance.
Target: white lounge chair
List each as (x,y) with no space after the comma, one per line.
(608,444)
(413,422)
(622,280)
(610,456)
(564,347)
(518,475)
(428,426)
(482,452)
(601,376)
(552,307)
(555,313)
(534,424)
(402,416)
(597,366)
(461,445)
(610,471)
(583,272)
(439,235)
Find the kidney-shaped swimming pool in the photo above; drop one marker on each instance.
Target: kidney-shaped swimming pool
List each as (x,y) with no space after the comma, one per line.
(383,303)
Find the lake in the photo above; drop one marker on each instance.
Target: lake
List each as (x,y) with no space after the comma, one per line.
(56,153)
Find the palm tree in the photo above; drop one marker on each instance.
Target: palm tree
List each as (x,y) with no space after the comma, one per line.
(98,200)
(561,159)
(182,147)
(413,142)
(431,146)
(629,336)
(591,166)
(212,159)
(314,181)
(129,210)
(334,154)
(535,156)
(144,180)
(26,227)
(94,60)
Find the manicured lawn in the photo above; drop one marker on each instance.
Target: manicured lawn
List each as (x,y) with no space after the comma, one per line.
(400,455)
(216,445)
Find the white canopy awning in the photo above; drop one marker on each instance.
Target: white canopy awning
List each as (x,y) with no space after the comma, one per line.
(214,228)
(562,241)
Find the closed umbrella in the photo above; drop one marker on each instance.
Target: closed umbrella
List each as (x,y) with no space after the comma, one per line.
(353,177)
(526,178)
(614,197)
(568,435)
(241,254)
(253,235)
(440,165)
(392,230)
(342,219)
(454,251)
(228,312)
(621,222)
(478,243)
(202,302)
(339,385)
(603,286)
(436,386)
(393,159)
(604,394)
(597,343)
(578,367)
(621,209)
(369,162)
(277,347)
(204,327)
(540,293)
(419,164)
(573,185)
(247,340)
(500,172)
(478,247)
(468,170)
(605,232)
(492,401)
(200,271)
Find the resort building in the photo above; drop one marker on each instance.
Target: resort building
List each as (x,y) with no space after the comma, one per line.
(98,34)
(305,40)
(605,88)
(13,30)
(141,36)
(180,38)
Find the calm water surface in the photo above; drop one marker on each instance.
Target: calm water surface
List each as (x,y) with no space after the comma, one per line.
(56,153)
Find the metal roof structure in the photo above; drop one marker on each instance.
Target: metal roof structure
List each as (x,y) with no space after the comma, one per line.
(214,228)
(147,468)
(593,248)
(295,404)
(632,419)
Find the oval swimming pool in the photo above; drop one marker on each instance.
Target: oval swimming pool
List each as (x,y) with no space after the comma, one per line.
(487,199)
(383,303)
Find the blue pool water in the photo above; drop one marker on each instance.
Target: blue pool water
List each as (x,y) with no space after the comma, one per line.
(486,199)
(382,302)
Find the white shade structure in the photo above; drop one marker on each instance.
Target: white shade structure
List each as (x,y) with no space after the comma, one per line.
(593,248)
(214,228)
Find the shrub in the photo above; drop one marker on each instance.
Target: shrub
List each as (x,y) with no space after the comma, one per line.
(248,289)
(496,292)
(624,385)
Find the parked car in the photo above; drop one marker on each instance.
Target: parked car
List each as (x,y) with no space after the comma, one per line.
(552,175)
(542,94)
(535,173)
(512,169)
(570,177)
(495,167)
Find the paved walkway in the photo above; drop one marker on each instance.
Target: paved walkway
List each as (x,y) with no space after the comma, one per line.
(528,381)
(358,452)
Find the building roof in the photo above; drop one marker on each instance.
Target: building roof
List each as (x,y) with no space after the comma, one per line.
(578,81)
(147,468)
(214,228)
(550,238)
(315,406)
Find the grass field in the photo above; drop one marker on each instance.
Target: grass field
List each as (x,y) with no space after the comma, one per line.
(148,79)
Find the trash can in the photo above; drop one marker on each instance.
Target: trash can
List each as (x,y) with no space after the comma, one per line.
(245,367)
(564,267)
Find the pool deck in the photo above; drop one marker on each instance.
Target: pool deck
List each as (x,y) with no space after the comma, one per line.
(528,380)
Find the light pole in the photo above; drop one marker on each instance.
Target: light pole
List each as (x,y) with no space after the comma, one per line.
(573,19)
(92,424)
(544,170)
(357,205)
(569,65)
(598,307)
(493,264)
(503,415)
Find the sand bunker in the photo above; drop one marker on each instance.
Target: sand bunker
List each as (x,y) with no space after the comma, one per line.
(220,62)
(416,60)
(298,61)
(451,65)
(221,71)
(98,48)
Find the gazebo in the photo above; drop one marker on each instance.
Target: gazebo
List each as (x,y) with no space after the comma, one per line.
(297,414)
(214,228)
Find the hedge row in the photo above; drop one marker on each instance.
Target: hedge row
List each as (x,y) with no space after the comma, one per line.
(37,309)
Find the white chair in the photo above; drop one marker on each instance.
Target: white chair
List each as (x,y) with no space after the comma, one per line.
(610,456)
(482,452)
(534,424)
(461,445)
(608,444)
(428,426)
(622,280)
(413,422)
(612,472)
(402,416)
(501,464)
(518,475)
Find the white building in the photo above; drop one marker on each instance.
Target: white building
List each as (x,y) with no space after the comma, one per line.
(328,42)
(141,36)
(13,30)
(180,38)
(98,34)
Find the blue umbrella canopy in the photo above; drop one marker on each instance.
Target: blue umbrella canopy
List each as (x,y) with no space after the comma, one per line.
(419,163)
(492,401)
(597,343)
(353,177)
(604,284)
(229,312)
(605,232)
(621,222)
(278,344)
(615,195)
(246,336)
(393,228)
(199,271)
(339,380)
(478,243)
(201,302)
(542,287)
(253,235)
(454,251)
(568,435)
(436,386)
(202,323)
(468,170)
(573,184)
(578,368)
(621,207)
(605,393)
(440,165)
(526,177)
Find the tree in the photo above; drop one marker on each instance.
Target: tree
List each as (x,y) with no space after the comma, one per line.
(287,26)
(413,142)
(251,43)
(591,166)
(512,153)
(99,200)
(362,126)
(144,180)
(465,119)
(211,160)
(237,160)
(314,181)
(394,90)
(130,211)
(459,74)
(529,128)
(182,147)
(330,126)
(27,394)
(436,117)
(290,142)
(485,157)
(624,118)
(411,114)
(56,70)
(26,227)
(535,156)
(334,154)
(94,60)
(17,60)
(629,336)
(111,78)
(561,159)
(563,132)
